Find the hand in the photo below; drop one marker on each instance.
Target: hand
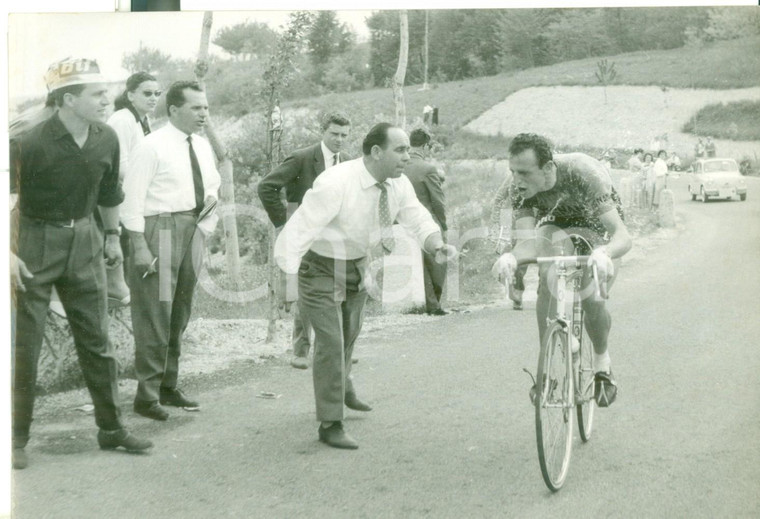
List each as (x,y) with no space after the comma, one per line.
(504,268)
(445,254)
(19,271)
(285,290)
(143,262)
(112,252)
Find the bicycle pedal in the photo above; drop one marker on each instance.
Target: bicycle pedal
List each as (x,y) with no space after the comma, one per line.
(532,378)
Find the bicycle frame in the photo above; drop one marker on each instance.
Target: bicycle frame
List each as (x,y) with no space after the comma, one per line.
(563,331)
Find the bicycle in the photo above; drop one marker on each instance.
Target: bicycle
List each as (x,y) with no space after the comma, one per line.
(565,369)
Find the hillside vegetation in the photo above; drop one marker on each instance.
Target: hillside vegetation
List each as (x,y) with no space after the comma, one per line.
(720,65)
(469,188)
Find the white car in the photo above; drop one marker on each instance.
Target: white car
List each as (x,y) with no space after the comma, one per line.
(716,178)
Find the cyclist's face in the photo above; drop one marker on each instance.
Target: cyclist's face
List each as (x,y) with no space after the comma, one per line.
(529,179)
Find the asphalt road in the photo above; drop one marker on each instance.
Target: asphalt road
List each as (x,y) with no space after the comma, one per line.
(452,433)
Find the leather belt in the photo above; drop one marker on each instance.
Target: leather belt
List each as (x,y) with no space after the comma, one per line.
(68,224)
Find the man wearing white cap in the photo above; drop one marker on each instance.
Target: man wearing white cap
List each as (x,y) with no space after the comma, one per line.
(61,169)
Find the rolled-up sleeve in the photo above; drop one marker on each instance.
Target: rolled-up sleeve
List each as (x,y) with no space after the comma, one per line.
(142,170)
(412,215)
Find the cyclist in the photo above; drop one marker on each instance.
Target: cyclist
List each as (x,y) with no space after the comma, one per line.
(554,196)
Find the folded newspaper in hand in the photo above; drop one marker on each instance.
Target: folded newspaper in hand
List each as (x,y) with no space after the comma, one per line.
(207,210)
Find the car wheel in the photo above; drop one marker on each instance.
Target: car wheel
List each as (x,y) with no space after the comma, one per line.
(743,197)
(705,198)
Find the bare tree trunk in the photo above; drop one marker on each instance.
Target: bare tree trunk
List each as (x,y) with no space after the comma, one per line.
(398,78)
(227,191)
(273,158)
(427,54)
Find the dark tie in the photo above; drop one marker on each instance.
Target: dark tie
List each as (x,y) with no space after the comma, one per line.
(335,160)
(384,211)
(197,177)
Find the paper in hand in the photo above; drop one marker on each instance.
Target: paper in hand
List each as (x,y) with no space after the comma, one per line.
(207,210)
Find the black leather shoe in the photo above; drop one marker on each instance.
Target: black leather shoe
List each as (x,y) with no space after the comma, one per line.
(109,440)
(354,403)
(151,410)
(19,459)
(299,362)
(439,312)
(335,436)
(176,398)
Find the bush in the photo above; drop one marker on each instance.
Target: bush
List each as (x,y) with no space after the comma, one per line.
(734,121)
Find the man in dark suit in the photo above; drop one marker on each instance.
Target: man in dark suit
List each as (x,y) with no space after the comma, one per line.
(296,174)
(427,185)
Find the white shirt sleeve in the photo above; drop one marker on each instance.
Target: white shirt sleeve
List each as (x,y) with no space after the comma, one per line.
(319,206)
(124,128)
(212,181)
(144,166)
(412,215)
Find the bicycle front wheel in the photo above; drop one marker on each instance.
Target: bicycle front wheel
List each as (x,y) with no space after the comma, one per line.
(554,407)
(584,385)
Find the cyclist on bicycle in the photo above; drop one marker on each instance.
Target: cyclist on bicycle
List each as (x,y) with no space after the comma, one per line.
(554,196)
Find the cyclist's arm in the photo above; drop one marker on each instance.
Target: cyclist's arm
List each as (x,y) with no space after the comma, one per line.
(525,236)
(620,240)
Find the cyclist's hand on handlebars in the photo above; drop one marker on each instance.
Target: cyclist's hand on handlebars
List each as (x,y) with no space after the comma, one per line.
(504,268)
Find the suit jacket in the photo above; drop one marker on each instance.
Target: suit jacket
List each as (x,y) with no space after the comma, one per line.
(427,184)
(296,174)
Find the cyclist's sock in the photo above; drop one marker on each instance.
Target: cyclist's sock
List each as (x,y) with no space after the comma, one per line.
(602,362)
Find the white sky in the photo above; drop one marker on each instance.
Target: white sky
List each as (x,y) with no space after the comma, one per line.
(35,41)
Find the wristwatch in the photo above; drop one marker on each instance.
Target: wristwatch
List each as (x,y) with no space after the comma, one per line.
(116,232)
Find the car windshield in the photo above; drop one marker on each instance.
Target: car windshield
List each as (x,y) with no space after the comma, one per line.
(721,165)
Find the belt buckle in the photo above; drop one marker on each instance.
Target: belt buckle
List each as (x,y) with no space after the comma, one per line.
(69,224)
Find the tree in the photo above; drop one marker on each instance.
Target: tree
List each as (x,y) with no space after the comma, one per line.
(579,33)
(400,76)
(605,74)
(328,37)
(277,75)
(246,40)
(145,59)
(227,195)
(522,35)
(728,23)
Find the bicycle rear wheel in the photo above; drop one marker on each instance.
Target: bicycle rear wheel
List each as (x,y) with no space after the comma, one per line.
(584,385)
(554,405)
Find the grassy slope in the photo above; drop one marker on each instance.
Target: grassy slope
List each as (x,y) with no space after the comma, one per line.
(730,64)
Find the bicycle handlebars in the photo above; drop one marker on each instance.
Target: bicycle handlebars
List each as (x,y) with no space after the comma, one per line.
(579,261)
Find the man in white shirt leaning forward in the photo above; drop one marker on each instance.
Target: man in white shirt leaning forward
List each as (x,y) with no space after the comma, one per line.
(345,216)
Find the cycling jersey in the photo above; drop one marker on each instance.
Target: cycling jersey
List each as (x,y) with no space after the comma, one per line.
(582,193)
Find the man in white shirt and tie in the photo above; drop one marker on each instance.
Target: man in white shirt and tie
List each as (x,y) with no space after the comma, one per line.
(345,216)
(172,179)
(296,175)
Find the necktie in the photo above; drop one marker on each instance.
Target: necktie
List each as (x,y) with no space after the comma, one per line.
(386,232)
(197,178)
(335,159)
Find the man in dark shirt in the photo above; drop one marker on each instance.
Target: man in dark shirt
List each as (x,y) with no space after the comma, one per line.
(427,185)
(296,175)
(61,169)
(554,196)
